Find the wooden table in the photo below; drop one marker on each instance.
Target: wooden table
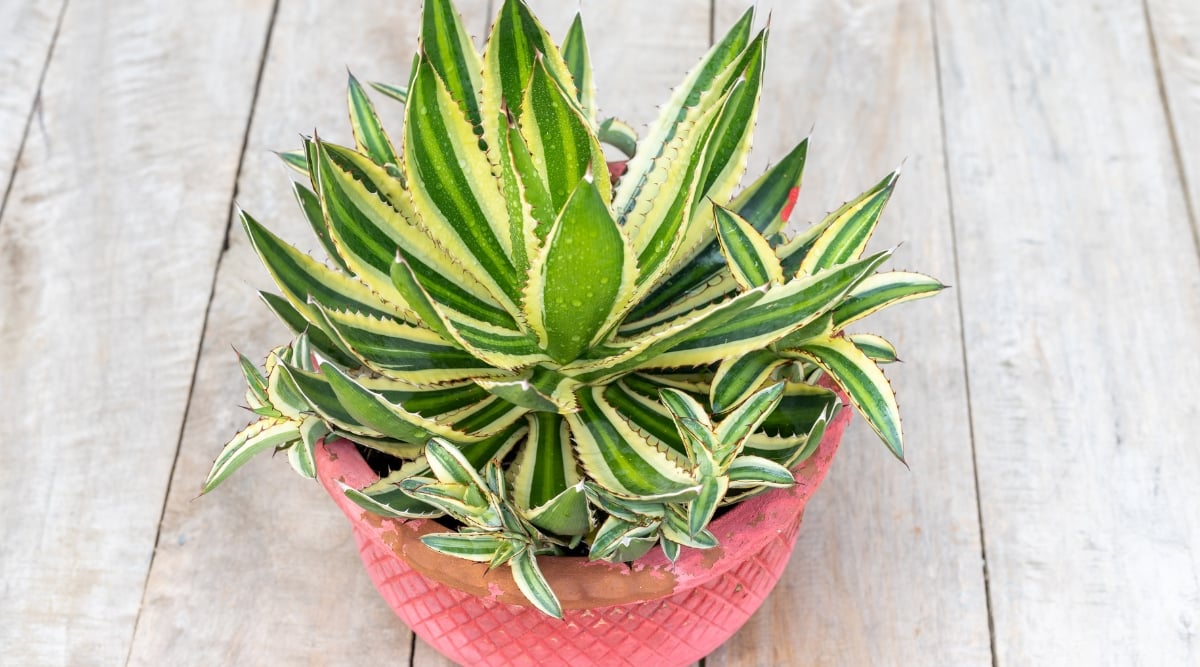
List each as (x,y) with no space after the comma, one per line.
(1052,512)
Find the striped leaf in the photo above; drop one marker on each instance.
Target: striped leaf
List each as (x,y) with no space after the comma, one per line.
(520,392)
(532,584)
(450,466)
(746,419)
(302,454)
(310,204)
(741,375)
(751,471)
(672,117)
(702,509)
(392,503)
(616,533)
(475,547)
(515,43)
(296,160)
(545,466)
(575,55)
(453,190)
(565,514)
(882,290)
(766,204)
(578,278)
(694,428)
(864,383)
(849,229)
(379,414)
(877,348)
(448,49)
(369,135)
(556,132)
(260,436)
(619,458)
(675,528)
(316,337)
(398,93)
(618,134)
(646,413)
(751,259)
(256,383)
(783,309)
(802,404)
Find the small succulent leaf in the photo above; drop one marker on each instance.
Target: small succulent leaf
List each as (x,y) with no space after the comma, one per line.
(748,417)
(766,204)
(545,466)
(476,547)
(448,49)
(561,140)
(398,93)
(464,503)
(312,430)
(750,258)
(377,413)
(449,465)
(259,436)
(520,392)
(497,446)
(310,204)
(864,383)
(618,134)
(675,527)
(565,514)
(752,471)
(504,554)
(647,348)
(850,228)
(802,404)
(377,220)
(296,160)
(741,375)
(302,278)
(393,504)
(453,190)
(533,585)
(575,55)
(614,531)
(369,135)
(669,547)
(712,69)
(693,425)
(702,509)
(877,348)
(255,381)
(882,290)
(784,308)
(619,458)
(563,307)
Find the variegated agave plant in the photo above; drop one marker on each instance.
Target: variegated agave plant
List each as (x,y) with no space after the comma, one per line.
(556,353)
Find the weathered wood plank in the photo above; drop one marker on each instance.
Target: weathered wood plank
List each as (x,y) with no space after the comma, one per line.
(264,570)
(26,38)
(1080,286)
(887,569)
(108,247)
(1175,26)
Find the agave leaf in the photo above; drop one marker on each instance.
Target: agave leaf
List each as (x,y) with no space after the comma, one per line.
(296,322)
(614,531)
(556,132)
(564,514)
(450,466)
(850,228)
(520,392)
(544,467)
(398,93)
(392,503)
(575,55)
(741,375)
(864,383)
(450,52)
(718,288)
(882,290)
(378,414)
(752,471)
(618,134)
(784,308)
(751,259)
(302,454)
(619,458)
(566,310)
(379,214)
(701,510)
(672,117)
(302,278)
(746,419)
(533,585)
(877,348)
(311,205)
(255,381)
(766,204)
(259,436)
(694,427)
(646,414)
(670,548)
(369,135)
(488,418)
(296,160)
(675,528)
(476,547)
(282,394)
(453,190)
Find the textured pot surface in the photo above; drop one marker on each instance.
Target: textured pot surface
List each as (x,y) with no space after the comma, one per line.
(650,612)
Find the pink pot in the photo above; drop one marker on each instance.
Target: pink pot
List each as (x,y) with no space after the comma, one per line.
(651,613)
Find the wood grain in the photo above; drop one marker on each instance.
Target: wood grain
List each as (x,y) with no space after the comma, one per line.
(108,245)
(1175,26)
(26,36)
(1079,283)
(887,570)
(264,570)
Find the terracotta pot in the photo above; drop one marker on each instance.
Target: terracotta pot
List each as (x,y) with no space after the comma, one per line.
(650,612)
